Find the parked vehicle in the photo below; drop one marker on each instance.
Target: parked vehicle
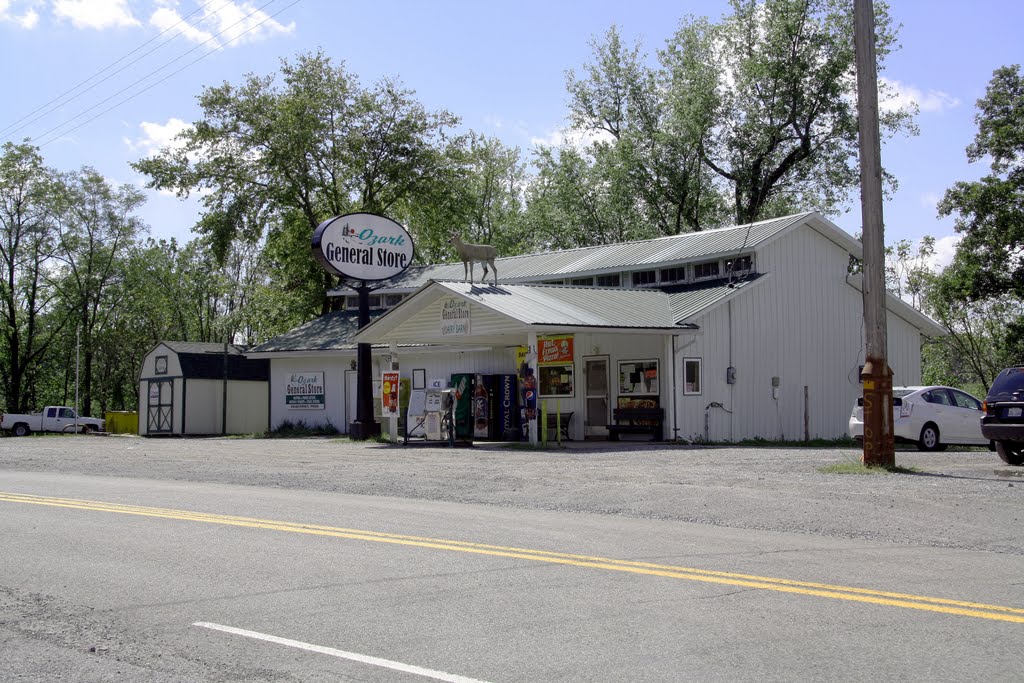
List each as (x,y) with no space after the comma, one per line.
(933,417)
(1003,419)
(52,419)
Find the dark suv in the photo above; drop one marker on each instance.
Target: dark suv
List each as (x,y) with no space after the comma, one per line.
(1003,421)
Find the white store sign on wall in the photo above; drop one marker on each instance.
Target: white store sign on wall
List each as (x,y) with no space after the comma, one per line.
(304,390)
(455,318)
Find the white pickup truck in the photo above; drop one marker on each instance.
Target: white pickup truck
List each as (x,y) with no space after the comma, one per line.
(52,419)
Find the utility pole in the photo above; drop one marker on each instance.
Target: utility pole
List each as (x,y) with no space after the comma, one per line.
(879,445)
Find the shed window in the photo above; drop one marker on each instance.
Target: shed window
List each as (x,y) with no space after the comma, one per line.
(611,280)
(704,270)
(691,376)
(645,277)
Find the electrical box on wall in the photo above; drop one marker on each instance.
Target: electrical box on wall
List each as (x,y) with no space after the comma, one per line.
(775,387)
(730,375)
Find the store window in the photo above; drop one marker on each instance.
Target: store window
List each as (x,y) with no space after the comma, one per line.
(741,264)
(691,376)
(645,277)
(583,281)
(677,274)
(705,270)
(638,377)
(557,381)
(611,280)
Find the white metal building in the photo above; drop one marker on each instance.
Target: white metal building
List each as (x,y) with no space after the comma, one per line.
(737,333)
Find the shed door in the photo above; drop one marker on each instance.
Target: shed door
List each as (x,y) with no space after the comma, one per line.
(160,412)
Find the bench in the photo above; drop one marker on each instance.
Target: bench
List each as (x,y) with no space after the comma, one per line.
(637,421)
(556,419)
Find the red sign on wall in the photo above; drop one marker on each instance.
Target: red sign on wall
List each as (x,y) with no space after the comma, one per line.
(555,350)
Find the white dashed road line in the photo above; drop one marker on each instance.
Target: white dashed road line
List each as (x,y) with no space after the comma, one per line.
(354,656)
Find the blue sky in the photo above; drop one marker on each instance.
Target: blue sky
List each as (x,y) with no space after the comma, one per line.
(498,66)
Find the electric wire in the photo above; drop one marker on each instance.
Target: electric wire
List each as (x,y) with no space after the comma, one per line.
(152,73)
(78,85)
(45,142)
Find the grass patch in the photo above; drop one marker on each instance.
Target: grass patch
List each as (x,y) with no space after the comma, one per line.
(860,468)
(254,435)
(296,430)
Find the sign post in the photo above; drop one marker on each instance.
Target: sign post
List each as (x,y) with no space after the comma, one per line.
(364,247)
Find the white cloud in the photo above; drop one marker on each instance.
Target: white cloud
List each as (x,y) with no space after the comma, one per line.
(156,136)
(893,95)
(164,18)
(234,23)
(945,249)
(27,19)
(95,14)
(571,138)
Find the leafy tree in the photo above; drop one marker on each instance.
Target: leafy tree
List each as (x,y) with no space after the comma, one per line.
(28,199)
(95,230)
(766,93)
(313,143)
(638,142)
(989,261)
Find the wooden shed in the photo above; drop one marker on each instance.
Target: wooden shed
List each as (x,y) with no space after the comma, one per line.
(183,387)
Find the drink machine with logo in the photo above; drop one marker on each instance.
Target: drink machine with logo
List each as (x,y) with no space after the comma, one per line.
(505,408)
(462,386)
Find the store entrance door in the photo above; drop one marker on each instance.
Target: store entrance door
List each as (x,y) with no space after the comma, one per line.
(597,396)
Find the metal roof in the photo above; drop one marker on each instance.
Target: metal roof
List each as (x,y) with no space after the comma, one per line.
(657,252)
(690,300)
(203,347)
(572,306)
(330,332)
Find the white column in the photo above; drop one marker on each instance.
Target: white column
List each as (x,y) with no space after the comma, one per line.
(668,388)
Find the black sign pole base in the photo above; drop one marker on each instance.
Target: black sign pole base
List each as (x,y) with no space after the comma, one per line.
(365,427)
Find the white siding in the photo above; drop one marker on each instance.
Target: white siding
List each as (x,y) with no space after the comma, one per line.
(802,324)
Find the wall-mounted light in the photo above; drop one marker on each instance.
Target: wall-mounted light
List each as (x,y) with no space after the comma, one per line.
(352,364)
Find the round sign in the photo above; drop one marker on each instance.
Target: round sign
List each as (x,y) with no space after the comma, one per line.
(362,246)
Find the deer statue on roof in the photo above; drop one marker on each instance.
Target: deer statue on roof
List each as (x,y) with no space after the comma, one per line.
(469,253)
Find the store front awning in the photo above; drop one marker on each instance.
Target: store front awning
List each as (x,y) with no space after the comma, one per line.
(463,313)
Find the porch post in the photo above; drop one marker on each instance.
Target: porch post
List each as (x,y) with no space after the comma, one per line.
(531,362)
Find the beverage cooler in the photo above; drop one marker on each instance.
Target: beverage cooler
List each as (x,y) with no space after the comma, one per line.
(483,407)
(504,408)
(462,395)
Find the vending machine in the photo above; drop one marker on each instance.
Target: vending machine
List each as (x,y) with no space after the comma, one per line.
(505,408)
(483,407)
(462,394)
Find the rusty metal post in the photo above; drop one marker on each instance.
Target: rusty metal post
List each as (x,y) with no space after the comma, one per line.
(879,444)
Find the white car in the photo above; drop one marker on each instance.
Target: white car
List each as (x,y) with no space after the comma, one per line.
(932,417)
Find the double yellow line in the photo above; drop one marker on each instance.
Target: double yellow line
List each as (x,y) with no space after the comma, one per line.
(862,595)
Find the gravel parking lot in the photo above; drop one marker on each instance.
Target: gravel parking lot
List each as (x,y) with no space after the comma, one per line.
(959,499)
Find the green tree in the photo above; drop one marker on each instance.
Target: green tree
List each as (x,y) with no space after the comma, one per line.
(312,143)
(96,228)
(28,201)
(638,141)
(767,93)
(988,268)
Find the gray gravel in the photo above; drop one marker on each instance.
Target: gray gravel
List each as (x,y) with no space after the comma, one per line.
(957,499)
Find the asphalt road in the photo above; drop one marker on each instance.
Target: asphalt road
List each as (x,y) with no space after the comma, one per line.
(265,560)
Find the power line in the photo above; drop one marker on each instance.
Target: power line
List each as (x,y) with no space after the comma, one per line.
(78,85)
(165,78)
